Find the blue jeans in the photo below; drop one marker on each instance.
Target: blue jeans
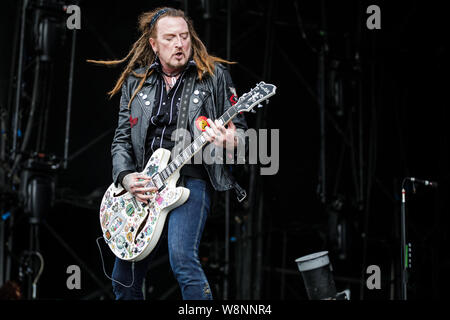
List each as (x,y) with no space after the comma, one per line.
(184,226)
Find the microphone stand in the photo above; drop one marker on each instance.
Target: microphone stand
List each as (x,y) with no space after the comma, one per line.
(403,244)
(406,249)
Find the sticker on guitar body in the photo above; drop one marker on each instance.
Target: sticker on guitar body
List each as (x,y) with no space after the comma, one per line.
(129,225)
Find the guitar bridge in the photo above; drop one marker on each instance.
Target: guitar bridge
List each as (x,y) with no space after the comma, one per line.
(133,199)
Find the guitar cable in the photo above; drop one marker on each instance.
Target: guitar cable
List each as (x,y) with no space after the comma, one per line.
(104,271)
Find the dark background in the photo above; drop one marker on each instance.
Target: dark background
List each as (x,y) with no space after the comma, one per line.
(388,123)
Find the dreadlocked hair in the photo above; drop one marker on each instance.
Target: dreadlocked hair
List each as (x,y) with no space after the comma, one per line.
(142,54)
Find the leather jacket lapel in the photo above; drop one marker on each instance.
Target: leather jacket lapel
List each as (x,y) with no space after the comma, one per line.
(146,102)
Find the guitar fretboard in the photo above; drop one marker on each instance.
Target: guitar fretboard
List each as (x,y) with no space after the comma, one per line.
(183,157)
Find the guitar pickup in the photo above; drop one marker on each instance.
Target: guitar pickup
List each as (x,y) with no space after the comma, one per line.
(158,182)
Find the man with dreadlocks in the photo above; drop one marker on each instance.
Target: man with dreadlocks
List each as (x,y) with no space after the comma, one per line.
(162,62)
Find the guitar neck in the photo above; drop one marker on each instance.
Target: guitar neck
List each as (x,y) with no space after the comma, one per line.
(246,102)
(183,157)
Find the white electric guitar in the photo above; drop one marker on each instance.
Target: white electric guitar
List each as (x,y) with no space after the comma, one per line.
(132,228)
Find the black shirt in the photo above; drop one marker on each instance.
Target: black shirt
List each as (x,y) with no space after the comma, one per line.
(164,117)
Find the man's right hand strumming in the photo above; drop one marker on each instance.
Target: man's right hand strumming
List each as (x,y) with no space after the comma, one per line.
(135,183)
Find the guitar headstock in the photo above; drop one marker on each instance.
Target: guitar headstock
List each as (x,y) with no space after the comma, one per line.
(258,94)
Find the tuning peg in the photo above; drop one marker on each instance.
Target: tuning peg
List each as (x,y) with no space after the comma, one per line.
(253,111)
(267,101)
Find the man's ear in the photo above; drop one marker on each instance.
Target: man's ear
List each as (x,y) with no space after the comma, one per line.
(152,43)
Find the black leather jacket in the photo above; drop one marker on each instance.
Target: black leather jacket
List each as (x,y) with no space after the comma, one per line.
(129,140)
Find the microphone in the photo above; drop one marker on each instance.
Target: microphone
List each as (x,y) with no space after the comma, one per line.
(425,182)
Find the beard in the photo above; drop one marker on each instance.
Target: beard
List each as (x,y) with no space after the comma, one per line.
(175,61)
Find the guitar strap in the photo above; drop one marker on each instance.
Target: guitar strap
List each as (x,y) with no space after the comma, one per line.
(241,194)
(183,112)
(184,104)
